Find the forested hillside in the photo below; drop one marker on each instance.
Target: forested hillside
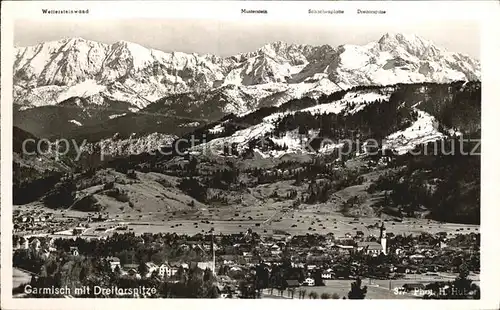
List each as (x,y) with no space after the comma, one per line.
(410,172)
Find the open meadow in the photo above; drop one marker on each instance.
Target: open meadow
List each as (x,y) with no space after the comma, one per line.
(295,223)
(274,218)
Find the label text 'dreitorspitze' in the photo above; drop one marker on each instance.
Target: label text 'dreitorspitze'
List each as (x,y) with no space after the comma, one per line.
(371,11)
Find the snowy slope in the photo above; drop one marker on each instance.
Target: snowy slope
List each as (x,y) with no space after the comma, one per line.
(354,99)
(352,102)
(423,130)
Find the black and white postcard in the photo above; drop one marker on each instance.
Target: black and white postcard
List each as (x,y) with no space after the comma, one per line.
(248,150)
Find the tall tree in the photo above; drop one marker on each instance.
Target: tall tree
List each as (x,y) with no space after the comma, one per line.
(357,292)
(463,286)
(143,269)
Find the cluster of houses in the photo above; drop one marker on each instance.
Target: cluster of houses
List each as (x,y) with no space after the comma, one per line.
(36,218)
(42,248)
(251,250)
(39,222)
(271,249)
(164,270)
(32,221)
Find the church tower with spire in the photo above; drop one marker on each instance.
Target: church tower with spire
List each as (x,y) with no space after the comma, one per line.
(383,239)
(212,249)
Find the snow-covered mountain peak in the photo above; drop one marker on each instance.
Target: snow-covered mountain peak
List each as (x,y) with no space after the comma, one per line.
(136,56)
(77,40)
(281,47)
(277,45)
(132,46)
(411,43)
(401,38)
(284,51)
(64,44)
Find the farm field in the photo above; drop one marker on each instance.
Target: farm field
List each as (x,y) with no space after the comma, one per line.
(299,224)
(263,219)
(337,226)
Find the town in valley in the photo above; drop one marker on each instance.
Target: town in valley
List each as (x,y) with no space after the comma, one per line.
(317,172)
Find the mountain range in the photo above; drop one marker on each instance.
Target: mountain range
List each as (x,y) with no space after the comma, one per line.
(50,73)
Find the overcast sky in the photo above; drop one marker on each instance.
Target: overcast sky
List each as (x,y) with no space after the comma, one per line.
(232,37)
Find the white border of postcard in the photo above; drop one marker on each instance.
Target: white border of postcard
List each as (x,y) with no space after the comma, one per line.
(487,13)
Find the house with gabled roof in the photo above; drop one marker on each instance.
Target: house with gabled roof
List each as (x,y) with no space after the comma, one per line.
(166,270)
(151,267)
(113,262)
(372,248)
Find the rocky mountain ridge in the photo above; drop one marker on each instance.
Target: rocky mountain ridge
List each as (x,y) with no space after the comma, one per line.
(52,72)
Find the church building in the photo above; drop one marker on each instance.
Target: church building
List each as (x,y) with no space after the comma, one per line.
(375,248)
(383,239)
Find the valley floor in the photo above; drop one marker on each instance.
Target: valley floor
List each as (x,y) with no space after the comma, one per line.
(264,221)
